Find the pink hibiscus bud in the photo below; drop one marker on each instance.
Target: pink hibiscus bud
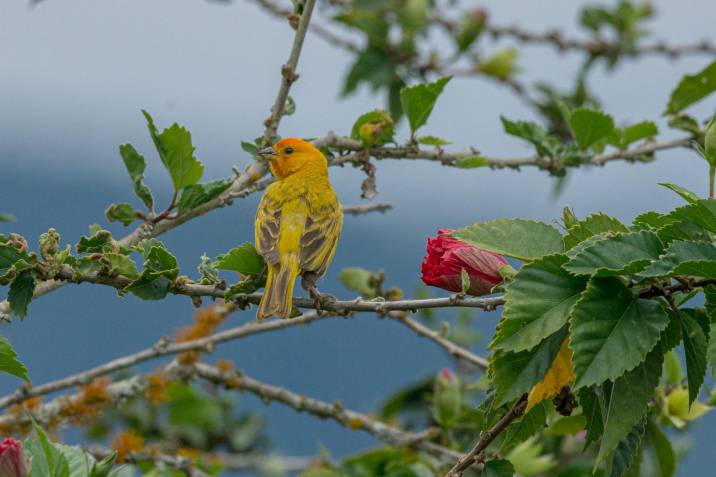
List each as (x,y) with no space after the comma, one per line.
(13,462)
(448,257)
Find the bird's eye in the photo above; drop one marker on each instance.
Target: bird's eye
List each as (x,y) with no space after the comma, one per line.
(288,150)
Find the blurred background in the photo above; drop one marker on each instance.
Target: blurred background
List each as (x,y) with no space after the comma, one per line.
(75,74)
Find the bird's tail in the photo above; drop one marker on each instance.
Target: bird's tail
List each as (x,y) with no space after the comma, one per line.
(278,296)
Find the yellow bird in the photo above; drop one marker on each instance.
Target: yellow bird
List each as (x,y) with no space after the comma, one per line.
(298,223)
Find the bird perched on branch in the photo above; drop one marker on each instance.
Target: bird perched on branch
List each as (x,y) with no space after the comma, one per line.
(298,223)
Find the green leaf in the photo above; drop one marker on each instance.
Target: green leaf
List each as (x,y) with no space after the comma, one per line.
(515,373)
(627,452)
(502,64)
(9,256)
(121,265)
(637,132)
(432,141)
(123,213)
(692,88)
(360,280)
(685,258)
(664,456)
(198,194)
(624,254)
(592,412)
(9,362)
(104,467)
(686,194)
(695,347)
(321,472)
(243,259)
(518,238)
(20,294)
(702,213)
(626,401)
(525,427)
(135,164)
(371,66)
(464,281)
(374,128)
(589,126)
(498,468)
(99,242)
(472,162)
(590,226)
(56,463)
(418,101)
(533,133)
(653,220)
(177,153)
(7,218)
(567,426)
(612,331)
(160,269)
(537,303)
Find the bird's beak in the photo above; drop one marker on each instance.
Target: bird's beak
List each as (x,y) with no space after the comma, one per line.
(267,153)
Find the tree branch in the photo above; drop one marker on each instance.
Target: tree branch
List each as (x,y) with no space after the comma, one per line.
(476,455)
(165,348)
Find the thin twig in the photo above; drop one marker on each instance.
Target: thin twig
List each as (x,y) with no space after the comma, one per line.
(476,455)
(364,209)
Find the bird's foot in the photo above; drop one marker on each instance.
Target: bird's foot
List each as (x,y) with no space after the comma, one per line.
(316,295)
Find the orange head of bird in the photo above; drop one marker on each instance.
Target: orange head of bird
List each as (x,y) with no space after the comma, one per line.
(292,155)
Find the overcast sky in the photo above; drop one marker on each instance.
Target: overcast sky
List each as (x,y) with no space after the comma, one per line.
(74,75)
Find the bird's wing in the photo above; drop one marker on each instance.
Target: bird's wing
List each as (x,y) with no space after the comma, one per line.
(267,228)
(320,236)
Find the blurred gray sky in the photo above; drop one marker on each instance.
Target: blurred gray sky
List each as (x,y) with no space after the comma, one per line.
(74,75)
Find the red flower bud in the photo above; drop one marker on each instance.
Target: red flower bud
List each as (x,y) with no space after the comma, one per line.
(13,462)
(446,259)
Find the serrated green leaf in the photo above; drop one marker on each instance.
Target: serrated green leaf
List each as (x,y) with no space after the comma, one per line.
(653,220)
(695,348)
(177,153)
(498,468)
(664,456)
(626,401)
(538,136)
(123,213)
(702,213)
(627,452)
(518,238)
(9,363)
(121,265)
(514,374)
(198,194)
(418,101)
(149,286)
(243,259)
(590,226)
(685,258)
(135,164)
(592,412)
(612,331)
(100,241)
(683,230)
(471,162)
(20,294)
(589,126)
(537,303)
(624,254)
(692,88)
(160,269)
(686,194)
(9,256)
